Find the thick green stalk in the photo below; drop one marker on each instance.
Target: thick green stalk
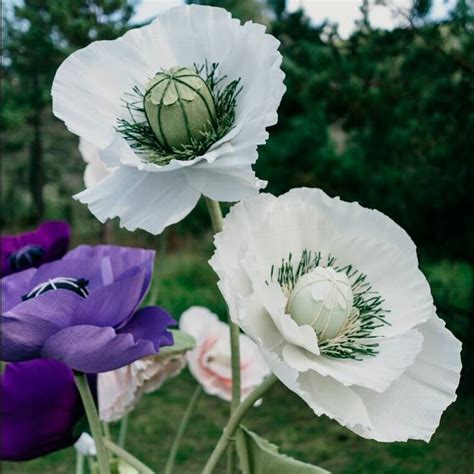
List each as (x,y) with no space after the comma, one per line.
(234,422)
(181,429)
(94,423)
(217,224)
(128,458)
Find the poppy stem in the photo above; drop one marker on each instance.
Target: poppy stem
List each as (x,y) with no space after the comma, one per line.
(181,429)
(234,422)
(123,431)
(217,220)
(93,419)
(128,458)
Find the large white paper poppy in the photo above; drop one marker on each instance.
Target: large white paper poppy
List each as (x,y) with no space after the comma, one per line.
(210,361)
(332,294)
(92,88)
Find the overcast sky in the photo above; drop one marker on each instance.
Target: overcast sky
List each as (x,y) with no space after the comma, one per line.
(344,12)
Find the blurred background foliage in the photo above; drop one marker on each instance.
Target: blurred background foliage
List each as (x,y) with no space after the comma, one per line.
(383,117)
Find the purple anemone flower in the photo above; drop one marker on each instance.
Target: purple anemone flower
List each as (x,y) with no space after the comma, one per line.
(40,407)
(83,310)
(31,249)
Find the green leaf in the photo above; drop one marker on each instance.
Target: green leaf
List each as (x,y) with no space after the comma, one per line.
(183,342)
(259,456)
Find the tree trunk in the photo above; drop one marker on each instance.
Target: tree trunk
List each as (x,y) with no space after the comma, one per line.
(36,168)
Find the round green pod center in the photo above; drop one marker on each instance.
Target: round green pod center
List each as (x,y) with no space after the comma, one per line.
(179,107)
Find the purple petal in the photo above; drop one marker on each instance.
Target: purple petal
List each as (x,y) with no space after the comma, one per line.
(90,269)
(40,406)
(113,304)
(122,259)
(27,326)
(151,323)
(14,287)
(93,349)
(52,237)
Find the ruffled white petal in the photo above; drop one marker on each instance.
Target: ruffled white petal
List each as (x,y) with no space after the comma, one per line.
(351,215)
(149,201)
(230,178)
(95,170)
(377,372)
(324,395)
(411,407)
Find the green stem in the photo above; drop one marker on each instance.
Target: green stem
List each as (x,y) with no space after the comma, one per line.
(94,423)
(181,429)
(234,422)
(128,458)
(217,225)
(217,220)
(123,431)
(106,429)
(79,463)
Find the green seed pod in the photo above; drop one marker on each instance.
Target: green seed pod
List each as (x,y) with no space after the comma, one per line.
(179,107)
(322,299)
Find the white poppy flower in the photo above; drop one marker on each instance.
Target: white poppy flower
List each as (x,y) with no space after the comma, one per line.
(95,169)
(85,445)
(179,107)
(210,361)
(332,294)
(120,390)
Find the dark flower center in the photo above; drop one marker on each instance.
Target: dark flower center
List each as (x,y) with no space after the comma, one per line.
(77,285)
(27,257)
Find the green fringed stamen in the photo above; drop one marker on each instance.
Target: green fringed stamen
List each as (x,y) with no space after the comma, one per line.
(139,134)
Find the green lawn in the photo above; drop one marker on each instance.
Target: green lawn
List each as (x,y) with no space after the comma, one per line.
(185,280)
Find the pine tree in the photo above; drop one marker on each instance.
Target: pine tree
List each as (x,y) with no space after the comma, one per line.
(37,35)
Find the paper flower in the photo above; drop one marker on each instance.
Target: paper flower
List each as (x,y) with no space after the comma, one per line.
(332,294)
(210,361)
(85,445)
(120,390)
(95,170)
(82,310)
(31,249)
(178,106)
(40,407)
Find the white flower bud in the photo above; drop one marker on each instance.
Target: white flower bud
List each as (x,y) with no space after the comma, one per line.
(323,299)
(85,445)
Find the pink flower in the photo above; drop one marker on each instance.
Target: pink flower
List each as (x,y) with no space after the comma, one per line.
(210,361)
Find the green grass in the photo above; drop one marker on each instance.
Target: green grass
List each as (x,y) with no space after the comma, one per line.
(185,279)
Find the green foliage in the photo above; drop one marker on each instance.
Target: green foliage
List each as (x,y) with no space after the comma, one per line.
(259,456)
(384,118)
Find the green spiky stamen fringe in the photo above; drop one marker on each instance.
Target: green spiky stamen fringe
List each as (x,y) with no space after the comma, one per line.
(368,314)
(140,136)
